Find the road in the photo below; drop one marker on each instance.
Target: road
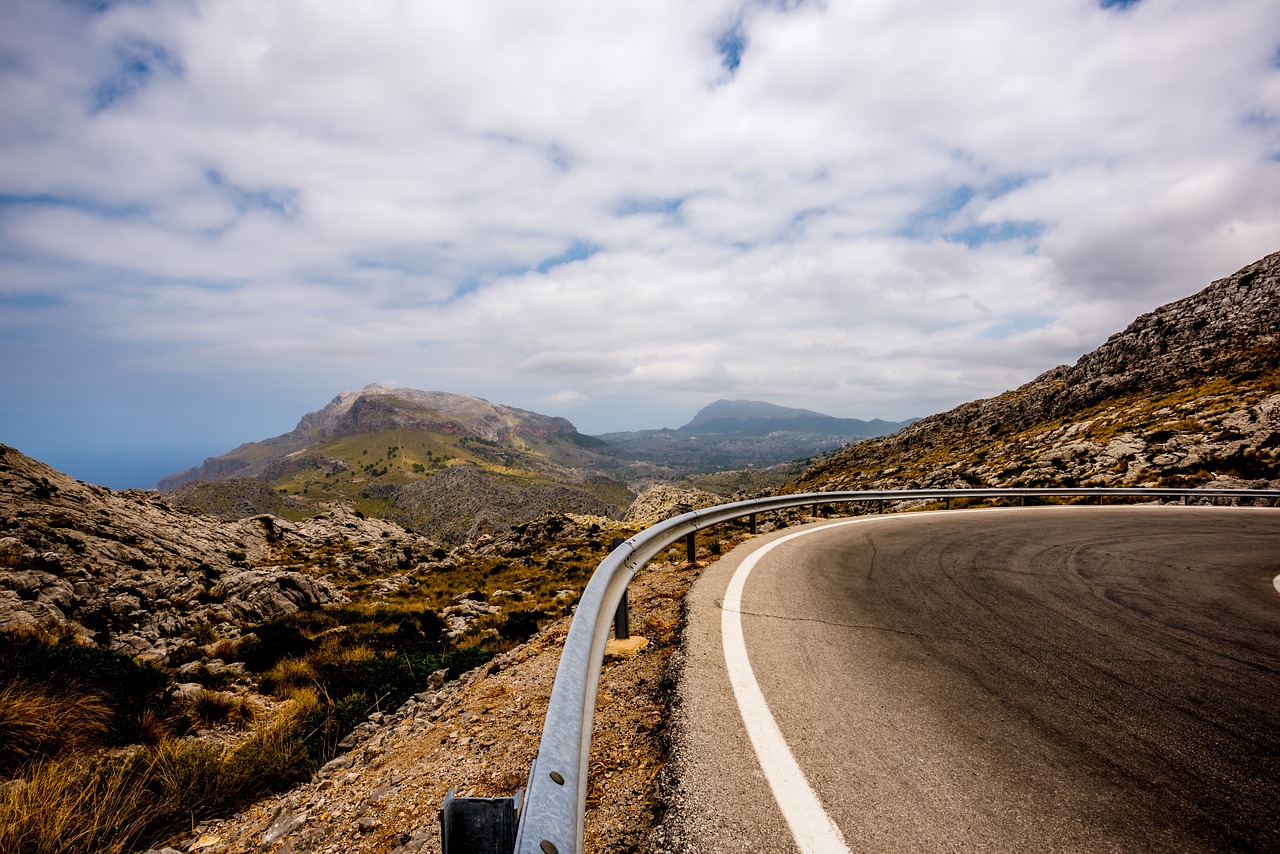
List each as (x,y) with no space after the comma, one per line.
(1048,679)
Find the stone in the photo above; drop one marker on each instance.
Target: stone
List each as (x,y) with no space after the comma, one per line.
(615,649)
(285,823)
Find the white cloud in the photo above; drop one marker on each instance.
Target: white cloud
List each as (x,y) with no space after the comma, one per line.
(883,210)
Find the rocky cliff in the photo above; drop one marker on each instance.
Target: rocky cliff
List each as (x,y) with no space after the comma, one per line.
(1186,395)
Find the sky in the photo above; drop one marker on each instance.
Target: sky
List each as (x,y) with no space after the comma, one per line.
(216,215)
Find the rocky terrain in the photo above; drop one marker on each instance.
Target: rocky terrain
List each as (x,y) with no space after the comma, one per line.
(1187,395)
(138,574)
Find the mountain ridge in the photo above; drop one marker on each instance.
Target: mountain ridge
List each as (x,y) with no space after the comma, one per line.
(1187,394)
(756,417)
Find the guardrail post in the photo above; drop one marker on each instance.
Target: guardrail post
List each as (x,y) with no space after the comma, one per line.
(881,511)
(478,825)
(752,524)
(691,547)
(948,503)
(622,619)
(622,616)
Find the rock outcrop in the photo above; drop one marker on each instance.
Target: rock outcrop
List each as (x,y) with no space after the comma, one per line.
(141,575)
(663,501)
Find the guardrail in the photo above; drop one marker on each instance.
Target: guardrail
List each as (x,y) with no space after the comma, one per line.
(550,818)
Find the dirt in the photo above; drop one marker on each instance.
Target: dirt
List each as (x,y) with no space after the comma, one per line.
(479,736)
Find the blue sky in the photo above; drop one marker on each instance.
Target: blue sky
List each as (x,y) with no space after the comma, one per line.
(215,216)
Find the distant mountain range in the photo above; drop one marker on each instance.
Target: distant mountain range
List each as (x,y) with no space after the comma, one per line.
(1186,395)
(454,467)
(733,434)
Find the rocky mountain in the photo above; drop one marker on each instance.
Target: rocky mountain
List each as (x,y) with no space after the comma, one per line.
(1186,395)
(734,434)
(445,465)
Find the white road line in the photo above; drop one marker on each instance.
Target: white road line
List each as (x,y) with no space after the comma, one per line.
(1276,583)
(813,829)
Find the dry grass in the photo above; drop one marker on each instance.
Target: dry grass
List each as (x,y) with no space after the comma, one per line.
(119,804)
(288,674)
(210,708)
(37,723)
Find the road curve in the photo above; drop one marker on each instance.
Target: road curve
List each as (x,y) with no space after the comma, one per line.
(1050,679)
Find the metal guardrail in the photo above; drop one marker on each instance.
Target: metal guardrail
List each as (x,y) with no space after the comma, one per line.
(554,801)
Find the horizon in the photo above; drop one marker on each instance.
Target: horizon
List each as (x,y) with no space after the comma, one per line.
(216,215)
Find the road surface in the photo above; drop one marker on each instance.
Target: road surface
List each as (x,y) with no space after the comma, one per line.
(1048,679)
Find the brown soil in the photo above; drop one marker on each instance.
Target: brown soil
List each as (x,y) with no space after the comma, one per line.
(479,735)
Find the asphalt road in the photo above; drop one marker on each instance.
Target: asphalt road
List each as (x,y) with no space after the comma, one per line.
(1049,679)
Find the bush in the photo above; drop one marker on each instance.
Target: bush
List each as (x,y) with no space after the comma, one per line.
(268,643)
(288,674)
(519,626)
(215,707)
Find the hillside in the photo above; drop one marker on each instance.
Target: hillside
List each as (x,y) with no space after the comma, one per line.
(1186,395)
(735,434)
(258,651)
(447,466)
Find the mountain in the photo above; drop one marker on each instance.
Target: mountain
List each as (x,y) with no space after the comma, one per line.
(734,434)
(445,465)
(1186,395)
(757,418)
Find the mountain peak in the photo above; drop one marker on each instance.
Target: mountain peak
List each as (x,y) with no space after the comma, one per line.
(746,410)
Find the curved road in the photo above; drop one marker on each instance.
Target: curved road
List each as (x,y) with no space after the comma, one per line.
(1049,679)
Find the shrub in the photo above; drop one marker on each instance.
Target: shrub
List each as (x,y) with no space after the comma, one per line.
(215,707)
(268,643)
(124,804)
(287,674)
(519,626)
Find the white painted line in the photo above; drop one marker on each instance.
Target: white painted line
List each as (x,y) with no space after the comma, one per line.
(1276,583)
(813,829)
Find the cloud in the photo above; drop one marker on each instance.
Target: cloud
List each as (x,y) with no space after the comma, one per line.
(867,209)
